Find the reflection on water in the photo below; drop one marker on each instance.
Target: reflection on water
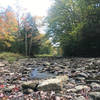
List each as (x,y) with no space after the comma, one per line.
(35,74)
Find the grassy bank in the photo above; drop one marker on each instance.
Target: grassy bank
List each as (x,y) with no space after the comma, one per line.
(44,55)
(10,57)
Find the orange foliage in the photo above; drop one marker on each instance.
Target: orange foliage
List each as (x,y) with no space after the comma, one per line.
(8,25)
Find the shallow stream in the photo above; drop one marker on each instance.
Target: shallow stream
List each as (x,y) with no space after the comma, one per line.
(36,74)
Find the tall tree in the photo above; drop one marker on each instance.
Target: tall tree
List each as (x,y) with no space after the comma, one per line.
(31,31)
(8,26)
(74,24)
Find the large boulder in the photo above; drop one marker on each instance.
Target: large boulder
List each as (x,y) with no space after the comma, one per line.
(53,84)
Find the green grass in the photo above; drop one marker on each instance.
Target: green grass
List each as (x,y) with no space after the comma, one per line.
(10,57)
(44,55)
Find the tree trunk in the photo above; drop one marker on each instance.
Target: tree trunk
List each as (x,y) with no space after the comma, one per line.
(30,46)
(26,44)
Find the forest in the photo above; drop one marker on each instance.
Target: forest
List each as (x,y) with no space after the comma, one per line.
(53,55)
(72,30)
(19,34)
(75,25)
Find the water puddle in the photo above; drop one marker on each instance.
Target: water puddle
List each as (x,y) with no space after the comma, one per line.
(36,74)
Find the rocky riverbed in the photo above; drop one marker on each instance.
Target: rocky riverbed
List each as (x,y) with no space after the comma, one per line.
(50,79)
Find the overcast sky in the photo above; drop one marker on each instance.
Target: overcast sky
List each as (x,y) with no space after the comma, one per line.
(35,7)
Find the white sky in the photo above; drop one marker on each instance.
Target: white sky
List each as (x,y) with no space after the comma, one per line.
(35,7)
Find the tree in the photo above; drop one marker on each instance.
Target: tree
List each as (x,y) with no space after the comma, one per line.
(74,24)
(8,27)
(30,30)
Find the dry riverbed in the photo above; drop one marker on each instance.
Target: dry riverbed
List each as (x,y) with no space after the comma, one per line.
(50,79)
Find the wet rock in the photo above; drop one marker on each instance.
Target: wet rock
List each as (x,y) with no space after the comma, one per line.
(94,95)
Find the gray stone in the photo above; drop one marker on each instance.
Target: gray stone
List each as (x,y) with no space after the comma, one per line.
(27,91)
(82,75)
(9,88)
(29,84)
(53,84)
(46,63)
(94,95)
(2,64)
(78,88)
(80,98)
(95,86)
(81,87)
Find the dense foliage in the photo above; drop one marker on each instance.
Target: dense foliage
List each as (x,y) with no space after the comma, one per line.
(73,28)
(75,25)
(20,34)
(8,26)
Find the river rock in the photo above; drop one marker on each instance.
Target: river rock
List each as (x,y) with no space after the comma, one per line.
(80,98)
(79,88)
(82,75)
(53,84)
(9,88)
(29,84)
(94,95)
(95,86)
(46,63)
(27,91)
(2,64)
(81,79)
